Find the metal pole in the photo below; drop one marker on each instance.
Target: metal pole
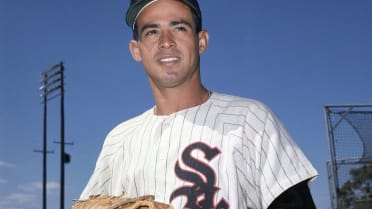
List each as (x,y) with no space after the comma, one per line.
(45,146)
(331,145)
(62,141)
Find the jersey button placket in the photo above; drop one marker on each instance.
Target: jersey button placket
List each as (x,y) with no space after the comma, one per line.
(165,137)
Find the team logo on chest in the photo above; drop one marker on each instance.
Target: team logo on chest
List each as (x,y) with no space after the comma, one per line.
(200,194)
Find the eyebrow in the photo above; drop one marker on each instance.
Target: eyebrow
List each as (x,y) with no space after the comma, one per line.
(180,22)
(147,26)
(171,23)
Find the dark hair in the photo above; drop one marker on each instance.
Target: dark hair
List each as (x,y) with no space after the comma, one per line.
(196,18)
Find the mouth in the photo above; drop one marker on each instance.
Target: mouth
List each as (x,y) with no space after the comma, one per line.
(169,59)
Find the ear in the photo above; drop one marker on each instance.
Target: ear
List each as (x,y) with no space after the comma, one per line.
(134,50)
(203,41)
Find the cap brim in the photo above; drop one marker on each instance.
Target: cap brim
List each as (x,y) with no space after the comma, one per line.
(134,10)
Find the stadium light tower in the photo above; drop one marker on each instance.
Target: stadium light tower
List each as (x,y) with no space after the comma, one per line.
(52,87)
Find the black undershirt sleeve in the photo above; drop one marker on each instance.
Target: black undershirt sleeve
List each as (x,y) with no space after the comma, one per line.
(296,197)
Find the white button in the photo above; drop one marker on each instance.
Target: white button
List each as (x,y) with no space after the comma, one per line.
(162,157)
(166,124)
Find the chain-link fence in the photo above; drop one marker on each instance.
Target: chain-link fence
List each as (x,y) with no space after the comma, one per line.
(349,130)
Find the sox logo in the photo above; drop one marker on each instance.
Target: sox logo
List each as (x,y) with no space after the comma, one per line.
(202,192)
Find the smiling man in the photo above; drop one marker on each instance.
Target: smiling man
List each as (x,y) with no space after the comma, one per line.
(196,148)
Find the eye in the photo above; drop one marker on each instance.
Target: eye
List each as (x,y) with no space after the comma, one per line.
(181,29)
(151,33)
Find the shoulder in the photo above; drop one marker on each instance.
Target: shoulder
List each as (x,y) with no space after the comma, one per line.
(253,114)
(236,103)
(126,128)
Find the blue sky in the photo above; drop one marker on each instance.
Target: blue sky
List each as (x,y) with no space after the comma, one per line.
(295,56)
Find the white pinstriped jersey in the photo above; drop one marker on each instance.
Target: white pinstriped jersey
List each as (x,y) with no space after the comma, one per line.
(229,152)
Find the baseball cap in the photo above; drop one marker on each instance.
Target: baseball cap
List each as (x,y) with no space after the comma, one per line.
(137,6)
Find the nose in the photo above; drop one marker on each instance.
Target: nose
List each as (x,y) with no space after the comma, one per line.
(166,40)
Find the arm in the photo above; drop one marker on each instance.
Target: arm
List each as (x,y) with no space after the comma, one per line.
(296,197)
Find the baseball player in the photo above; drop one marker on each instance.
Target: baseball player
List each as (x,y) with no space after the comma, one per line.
(196,148)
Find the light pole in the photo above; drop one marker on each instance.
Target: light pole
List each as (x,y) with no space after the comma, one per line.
(52,87)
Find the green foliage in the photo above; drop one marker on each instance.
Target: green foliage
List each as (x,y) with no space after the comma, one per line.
(357,192)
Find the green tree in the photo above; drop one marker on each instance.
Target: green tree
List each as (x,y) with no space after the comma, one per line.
(357,192)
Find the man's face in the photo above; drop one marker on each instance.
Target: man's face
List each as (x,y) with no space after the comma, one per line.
(168,45)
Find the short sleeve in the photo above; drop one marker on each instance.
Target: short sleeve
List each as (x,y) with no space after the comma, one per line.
(279,162)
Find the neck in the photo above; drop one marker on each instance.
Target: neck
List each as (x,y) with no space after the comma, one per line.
(168,102)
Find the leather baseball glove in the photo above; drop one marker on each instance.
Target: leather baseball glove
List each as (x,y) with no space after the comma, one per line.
(120,202)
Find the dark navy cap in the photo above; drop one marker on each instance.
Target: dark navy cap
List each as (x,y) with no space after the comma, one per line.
(137,6)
